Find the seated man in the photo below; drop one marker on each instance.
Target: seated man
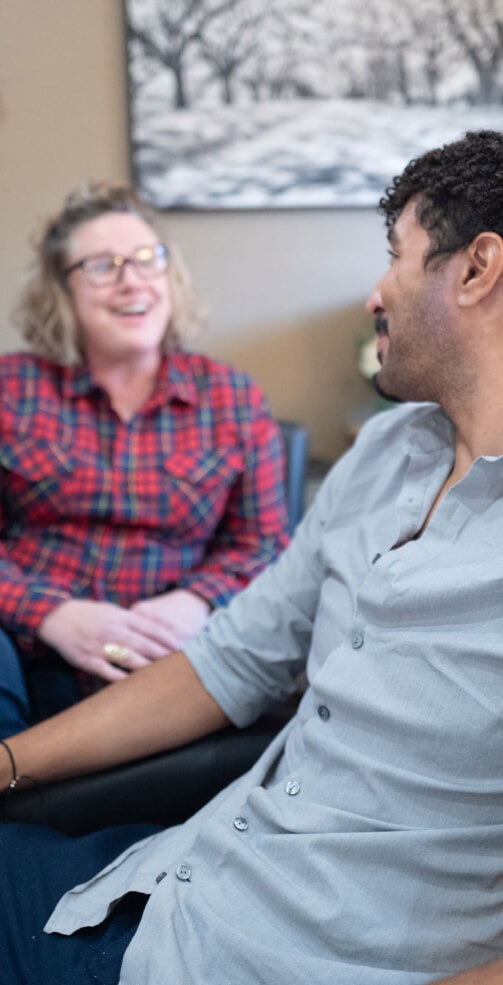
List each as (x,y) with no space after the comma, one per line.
(365,846)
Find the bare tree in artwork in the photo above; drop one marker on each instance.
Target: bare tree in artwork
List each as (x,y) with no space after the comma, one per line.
(167,31)
(478,30)
(228,41)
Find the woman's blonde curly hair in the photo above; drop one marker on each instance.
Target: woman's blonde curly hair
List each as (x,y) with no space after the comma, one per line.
(44,312)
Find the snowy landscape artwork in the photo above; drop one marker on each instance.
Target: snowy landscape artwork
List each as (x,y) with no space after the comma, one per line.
(245,104)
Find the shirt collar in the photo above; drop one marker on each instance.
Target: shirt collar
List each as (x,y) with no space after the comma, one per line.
(175,381)
(76,381)
(430,430)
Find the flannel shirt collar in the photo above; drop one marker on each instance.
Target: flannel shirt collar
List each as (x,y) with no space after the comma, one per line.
(174,382)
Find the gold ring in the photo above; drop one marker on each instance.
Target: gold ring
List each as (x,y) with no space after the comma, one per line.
(115,653)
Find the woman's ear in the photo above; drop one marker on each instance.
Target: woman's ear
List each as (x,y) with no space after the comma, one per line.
(482,270)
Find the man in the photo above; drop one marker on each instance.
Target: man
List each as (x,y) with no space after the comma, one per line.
(365,846)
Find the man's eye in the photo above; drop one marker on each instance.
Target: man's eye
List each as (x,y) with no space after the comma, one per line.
(392,255)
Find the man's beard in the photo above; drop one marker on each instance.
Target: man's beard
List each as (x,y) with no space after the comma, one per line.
(381,327)
(382,393)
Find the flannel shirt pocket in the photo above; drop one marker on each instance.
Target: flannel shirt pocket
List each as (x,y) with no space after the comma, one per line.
(36,483)
(200,485)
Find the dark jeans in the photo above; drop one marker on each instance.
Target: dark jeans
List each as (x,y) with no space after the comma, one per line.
(32,689)
(38,866)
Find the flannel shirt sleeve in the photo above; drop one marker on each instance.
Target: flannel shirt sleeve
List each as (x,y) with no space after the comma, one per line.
(253,530)
(25,600)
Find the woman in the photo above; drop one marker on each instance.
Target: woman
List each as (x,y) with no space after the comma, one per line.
(141,485)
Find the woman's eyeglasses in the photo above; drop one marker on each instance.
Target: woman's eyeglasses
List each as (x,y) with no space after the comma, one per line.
(103,269)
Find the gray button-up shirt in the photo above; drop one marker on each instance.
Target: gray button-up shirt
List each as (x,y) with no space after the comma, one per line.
(365,846)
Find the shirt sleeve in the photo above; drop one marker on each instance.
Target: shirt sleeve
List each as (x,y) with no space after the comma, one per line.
(25,600)
(253,530)
(252,652)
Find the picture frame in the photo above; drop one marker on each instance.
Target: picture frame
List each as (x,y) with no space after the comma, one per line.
(284,104)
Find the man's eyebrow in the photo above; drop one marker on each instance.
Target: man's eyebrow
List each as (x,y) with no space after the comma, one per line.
(393,236)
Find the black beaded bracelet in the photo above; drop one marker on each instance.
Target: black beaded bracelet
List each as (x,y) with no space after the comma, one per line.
(16,778)
(9,752)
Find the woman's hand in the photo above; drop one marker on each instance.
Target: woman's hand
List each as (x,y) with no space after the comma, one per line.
(181,613)
(80,629)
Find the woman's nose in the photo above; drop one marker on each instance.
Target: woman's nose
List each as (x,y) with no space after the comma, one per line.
(128,272)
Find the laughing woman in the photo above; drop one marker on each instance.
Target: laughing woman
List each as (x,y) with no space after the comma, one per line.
(141,485)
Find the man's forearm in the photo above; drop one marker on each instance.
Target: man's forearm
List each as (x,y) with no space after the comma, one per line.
(487,974)
(163,706)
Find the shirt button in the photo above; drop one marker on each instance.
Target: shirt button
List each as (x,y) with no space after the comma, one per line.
(324,713)
(183,872)
(357,641)
(161,876)
(292,787)
(240,823)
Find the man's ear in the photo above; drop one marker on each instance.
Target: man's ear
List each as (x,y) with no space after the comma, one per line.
(482,270)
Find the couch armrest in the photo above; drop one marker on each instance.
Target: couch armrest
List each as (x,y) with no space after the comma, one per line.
(163,789)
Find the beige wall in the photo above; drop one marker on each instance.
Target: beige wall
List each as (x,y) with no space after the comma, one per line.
(285,289)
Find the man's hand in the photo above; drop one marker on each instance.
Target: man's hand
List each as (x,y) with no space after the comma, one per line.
(180,613)
(79,629)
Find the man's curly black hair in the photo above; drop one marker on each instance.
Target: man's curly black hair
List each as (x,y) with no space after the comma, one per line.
(459,188)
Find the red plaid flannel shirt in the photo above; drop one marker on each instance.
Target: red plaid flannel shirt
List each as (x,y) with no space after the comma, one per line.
(187,494)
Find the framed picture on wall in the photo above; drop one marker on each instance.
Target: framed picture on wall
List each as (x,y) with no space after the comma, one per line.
(244,104)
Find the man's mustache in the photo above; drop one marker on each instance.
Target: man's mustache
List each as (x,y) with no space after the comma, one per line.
(380,323)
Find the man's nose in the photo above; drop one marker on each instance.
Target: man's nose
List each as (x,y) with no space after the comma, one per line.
(374,301)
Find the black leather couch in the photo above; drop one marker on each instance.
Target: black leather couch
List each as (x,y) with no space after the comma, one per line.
(163,789)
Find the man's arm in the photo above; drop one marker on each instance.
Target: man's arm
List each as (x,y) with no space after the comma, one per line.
(163,706)
(486,974)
